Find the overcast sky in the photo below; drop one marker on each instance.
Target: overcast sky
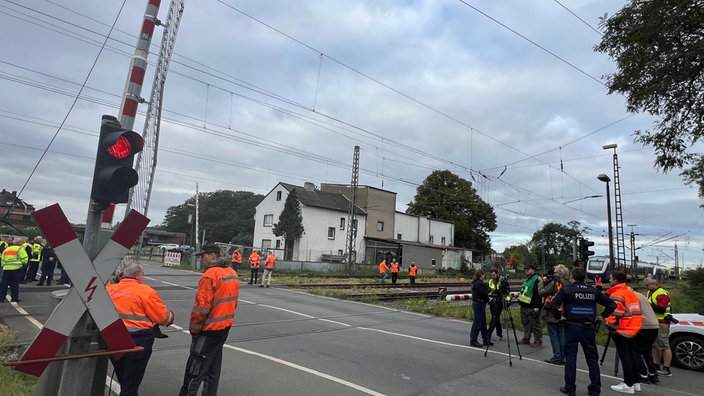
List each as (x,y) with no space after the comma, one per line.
(506,94)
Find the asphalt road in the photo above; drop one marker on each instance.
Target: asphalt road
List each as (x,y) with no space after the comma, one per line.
(291,343)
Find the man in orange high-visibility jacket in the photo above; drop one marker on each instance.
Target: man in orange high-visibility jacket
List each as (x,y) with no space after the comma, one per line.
(237,259)
(254,261)
(140,308)
(382,270)
(394,270)
(624,323)
(412,270)
(268,269)
(211,318)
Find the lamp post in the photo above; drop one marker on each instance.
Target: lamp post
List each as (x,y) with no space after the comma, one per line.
(606,180)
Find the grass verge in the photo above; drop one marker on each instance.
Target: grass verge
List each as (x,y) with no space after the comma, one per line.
(13,382)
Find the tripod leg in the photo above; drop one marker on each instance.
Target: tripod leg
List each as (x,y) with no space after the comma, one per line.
(507,308)
(606,348)
(616,362)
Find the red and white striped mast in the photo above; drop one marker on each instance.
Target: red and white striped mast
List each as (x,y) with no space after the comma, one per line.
(138,67)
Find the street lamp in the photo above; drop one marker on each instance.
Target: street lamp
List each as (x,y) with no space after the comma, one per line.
(606,180)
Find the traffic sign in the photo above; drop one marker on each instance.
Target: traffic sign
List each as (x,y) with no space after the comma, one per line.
(88,291)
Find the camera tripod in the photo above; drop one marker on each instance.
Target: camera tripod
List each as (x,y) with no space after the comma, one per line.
(507,319)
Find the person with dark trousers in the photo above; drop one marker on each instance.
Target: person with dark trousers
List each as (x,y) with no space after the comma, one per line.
(13,259)
(394,270)
(480,297)
(496,305)
(530,302)
(644,341)
(49,260)
(579,313)
(140,309)
(254,262)
(211,319)
(35,259)
(412,270)
(624,324)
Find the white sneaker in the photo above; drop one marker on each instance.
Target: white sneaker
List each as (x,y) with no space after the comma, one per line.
(636,387)
(623,388)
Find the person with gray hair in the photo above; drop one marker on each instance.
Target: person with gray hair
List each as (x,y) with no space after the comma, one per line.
(140,308)
(548,287)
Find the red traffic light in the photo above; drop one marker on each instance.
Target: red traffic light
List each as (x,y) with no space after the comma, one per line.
(121,149)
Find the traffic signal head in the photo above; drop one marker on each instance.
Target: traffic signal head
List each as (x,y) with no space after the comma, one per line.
(114,173)
(584,251)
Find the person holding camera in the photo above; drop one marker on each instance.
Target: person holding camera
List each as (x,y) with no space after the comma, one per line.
(660,302)
(578,302)
(496,304)
(548,288)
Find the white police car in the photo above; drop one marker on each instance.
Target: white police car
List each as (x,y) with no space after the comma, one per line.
(687,341)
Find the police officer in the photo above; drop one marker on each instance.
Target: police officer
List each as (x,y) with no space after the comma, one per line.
(579,313)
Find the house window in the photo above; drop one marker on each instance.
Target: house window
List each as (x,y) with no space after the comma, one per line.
(431,239)
(268,220)
(380,226)
(331,232)
(342,223)
(442,240)
(278,195)
(266,244)
(340,252)
(398,236)
(278,243)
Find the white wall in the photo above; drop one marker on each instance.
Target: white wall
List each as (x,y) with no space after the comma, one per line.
(419,229)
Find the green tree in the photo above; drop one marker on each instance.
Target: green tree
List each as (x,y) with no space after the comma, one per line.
(521,256)
(658,47)
(446,196)
(226,216)
(290,223)
(552,244)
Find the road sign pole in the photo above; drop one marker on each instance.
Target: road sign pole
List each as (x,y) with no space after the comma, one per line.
(76,374)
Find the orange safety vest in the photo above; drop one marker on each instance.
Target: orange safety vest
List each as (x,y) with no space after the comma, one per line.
(138,305)
(254,260)
(549,298)
(216,300)
(383,267)
(412,270)
(627,317)
(237,256)
(270,260)
(394,267)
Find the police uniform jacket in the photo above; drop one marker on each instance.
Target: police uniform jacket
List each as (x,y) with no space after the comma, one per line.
(579,303)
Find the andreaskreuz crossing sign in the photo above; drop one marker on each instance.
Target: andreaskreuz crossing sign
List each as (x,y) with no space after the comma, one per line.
(88,291)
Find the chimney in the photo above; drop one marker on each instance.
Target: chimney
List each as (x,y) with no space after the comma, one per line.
(308,186)
(14,193)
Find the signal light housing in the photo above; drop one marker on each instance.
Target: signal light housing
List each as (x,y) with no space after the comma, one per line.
(584,251)
(114,172)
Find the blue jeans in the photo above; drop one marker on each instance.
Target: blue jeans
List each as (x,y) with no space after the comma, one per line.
(556,332)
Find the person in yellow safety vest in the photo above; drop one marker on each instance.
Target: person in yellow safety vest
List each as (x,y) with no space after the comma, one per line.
(211,319)
(254,261)
(27,246)
(394,270)
(141,309)
(530,303)
(548,288)
(13,259)
(268,269)
(659,300)
(5,241)
(496,305)
(34,260)
(412,270)
(237,259)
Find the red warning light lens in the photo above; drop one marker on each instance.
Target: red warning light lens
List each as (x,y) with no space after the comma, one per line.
(121,149)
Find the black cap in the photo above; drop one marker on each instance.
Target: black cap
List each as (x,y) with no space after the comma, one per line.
(209,248)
